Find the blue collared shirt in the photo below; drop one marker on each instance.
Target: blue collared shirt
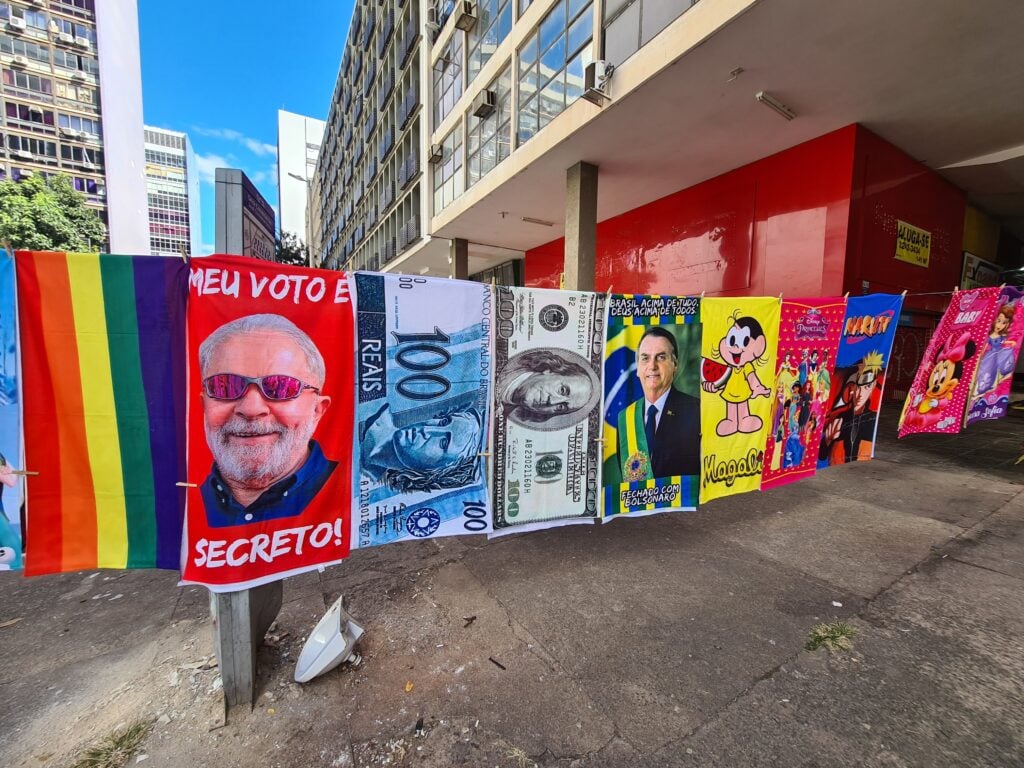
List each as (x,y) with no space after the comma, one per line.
(285,498)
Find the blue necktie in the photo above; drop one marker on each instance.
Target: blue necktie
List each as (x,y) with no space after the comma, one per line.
(652,414)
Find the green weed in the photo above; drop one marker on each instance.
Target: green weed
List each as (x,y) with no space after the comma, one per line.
(835,636)
(115,750)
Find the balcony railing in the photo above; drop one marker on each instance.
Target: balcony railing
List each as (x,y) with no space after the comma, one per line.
(387,83)
(409,39)
(387,26)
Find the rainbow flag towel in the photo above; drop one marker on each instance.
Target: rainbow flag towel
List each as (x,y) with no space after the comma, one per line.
(103,376)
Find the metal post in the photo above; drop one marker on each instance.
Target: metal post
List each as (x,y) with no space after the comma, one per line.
(240,620)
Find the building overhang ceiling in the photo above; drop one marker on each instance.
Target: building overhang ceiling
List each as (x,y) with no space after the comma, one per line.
(945,83)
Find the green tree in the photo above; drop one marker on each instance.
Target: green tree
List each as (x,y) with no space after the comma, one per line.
(288,249)
(39,214)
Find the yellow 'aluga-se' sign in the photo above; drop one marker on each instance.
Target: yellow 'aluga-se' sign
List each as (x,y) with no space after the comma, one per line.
(913,245)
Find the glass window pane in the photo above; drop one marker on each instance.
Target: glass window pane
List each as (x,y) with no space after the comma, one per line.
(551,102)
(527,121)
(553,60)
(575,6)
(552,27)
(528,53)
(581,31)
(505,22)
(528,85)
(574,79)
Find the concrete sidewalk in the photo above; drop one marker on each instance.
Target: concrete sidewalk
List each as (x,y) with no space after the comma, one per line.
(673,640)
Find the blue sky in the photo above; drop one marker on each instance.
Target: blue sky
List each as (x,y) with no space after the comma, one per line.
(219,71)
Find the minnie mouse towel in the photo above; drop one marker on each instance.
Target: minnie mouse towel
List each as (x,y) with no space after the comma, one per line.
(938,396)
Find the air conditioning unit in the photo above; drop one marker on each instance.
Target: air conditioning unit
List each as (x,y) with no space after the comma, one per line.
(465,15)
(78,76)
(15,23)
(65,37)
(595,81)
(20,61)
(485,103)
(69,132)
(432,16)
(82,41)
(436,154)
(23,155)
(88,164)
(26,172)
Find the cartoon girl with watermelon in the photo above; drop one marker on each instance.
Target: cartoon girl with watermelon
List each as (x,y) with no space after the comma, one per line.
(735,378)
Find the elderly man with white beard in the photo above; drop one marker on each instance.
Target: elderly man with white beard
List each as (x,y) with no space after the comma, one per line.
(262,378)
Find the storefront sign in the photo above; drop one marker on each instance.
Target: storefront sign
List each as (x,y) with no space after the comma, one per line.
(978,273)
(913,245)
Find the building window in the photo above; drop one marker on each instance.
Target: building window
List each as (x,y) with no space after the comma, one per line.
(492,26)
(79,93)
(165,158)
(489,140)
(78,31)
(551,65)
(82,155)
(29,118)
(32,18)
(38,147)
(82,8)
(448,77)
(84,124)
(27,82)
(448,178)
(26,48)
(75,62)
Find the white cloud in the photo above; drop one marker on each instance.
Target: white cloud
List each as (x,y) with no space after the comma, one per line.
(265,177)
(257,147)
(207,165)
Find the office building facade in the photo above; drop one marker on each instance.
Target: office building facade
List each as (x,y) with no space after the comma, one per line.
(72,99)
(298,147)
(725,146)
(372,201)
(172,186)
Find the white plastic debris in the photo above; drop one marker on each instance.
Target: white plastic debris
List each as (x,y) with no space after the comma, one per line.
(329,644)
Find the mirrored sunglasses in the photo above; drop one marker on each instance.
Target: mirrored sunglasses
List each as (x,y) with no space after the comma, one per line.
(231,386)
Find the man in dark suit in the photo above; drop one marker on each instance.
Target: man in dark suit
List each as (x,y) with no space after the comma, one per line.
(659,434)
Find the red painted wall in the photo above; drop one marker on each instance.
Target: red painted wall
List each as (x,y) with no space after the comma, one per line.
(778,224)
(817,219)
(889,185)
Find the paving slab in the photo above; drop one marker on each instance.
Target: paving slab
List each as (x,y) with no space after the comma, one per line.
(79,615)
(661,623)
(934,679)
(858,547)
(997,543)
(958,498)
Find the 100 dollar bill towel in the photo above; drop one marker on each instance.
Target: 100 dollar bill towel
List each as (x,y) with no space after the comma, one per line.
(549,348)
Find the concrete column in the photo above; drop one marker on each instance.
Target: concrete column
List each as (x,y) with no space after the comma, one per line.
(580,226)
(458,259)
(240,620)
